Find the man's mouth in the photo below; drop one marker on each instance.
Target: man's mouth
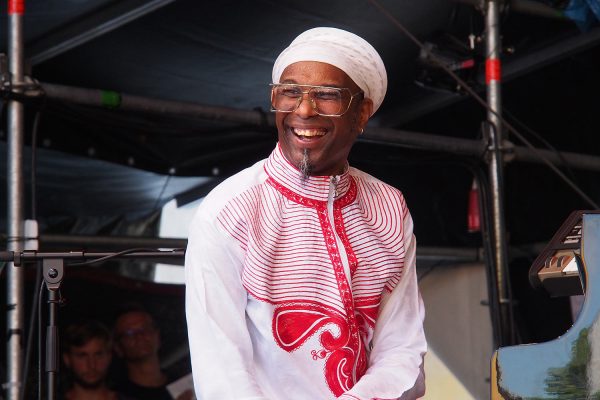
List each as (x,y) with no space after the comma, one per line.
(309,132)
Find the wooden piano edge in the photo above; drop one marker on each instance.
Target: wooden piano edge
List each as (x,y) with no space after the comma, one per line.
(494,390)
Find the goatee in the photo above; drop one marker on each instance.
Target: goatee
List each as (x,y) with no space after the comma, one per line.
(305,167)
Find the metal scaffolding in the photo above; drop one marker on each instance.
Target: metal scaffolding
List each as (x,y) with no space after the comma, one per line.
(495,138)
(15,275)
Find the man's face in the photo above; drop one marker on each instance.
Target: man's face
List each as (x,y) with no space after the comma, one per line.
(326,140)
(89,363)
(136,337)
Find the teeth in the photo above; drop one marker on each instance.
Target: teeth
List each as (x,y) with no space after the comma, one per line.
(309,132)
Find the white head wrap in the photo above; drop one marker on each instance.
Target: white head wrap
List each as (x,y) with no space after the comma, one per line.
(344,50)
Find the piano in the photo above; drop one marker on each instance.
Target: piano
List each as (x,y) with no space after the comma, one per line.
(567,367)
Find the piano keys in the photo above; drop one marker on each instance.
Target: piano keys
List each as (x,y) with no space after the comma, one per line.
(557,269)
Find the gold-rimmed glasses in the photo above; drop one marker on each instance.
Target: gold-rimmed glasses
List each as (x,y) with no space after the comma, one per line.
(325,100)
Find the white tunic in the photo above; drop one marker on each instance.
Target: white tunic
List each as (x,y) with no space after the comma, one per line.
(303,289)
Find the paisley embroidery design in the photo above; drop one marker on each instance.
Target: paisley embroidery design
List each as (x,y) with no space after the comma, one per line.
(343,350)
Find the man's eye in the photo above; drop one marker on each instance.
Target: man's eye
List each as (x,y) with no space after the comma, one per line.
(291,92)
(327,95)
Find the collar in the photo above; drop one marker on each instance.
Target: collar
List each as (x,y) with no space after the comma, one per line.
(317,188)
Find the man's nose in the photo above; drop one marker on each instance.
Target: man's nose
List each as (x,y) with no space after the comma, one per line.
(306,107)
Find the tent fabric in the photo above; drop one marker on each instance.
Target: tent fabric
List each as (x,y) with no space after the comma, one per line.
(70,186)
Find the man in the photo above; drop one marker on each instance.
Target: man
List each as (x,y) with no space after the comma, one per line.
(87,353)
(137,341)
(300,270)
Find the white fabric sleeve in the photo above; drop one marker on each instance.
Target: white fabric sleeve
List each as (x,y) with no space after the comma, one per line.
(220,345)
(398,340)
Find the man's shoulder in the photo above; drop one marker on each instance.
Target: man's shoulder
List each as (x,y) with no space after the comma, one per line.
(370,183)
(233,187)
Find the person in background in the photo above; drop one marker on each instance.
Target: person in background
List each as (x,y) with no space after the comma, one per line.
(300,270)
(137,341)
(87,354)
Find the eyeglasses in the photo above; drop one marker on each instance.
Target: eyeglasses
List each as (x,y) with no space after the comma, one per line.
(326,101)
(130,334)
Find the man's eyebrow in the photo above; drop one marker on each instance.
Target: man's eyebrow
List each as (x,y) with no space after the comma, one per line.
(329,84)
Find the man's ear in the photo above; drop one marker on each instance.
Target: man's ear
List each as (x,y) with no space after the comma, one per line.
(364,113)
(67,360)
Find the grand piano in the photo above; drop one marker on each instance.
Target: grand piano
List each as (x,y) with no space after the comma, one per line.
(567,367)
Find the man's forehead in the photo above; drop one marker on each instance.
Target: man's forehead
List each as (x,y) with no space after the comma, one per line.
(93,345)
(132,319)
(316,73)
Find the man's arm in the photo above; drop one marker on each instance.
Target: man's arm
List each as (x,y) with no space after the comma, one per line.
(418,390)
(398,340)
(220,345)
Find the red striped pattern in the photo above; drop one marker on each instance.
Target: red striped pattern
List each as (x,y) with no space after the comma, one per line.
(281,225)
(293,259)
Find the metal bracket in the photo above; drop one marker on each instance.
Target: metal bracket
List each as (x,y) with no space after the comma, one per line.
(507,149)
(4,73)
(53,272)
(28,88)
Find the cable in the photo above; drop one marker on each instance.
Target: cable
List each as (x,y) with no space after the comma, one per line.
(541,139)
(38,279)
(40,344)
(162,191)
(34,135)
(483,103)
(487,234)
(105,258)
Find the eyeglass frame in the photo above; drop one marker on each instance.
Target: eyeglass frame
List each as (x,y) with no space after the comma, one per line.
(312,101)
(130,334)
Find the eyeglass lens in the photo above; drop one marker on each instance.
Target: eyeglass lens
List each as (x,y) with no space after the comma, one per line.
(131,333)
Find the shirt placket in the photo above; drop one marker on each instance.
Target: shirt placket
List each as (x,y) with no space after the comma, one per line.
(333,188)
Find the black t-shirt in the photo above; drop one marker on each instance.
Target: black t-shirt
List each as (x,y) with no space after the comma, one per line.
(137,392)
(120,396)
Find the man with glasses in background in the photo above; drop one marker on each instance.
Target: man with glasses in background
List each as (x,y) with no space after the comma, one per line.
(300,270)
(137,341)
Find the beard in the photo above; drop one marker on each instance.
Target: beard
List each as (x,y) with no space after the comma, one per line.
(305,167)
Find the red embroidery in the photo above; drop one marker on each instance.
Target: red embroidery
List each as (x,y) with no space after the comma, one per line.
(294,324)
(346,358)
(341,231)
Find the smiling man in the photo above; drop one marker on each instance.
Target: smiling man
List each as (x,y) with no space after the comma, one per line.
(300,270)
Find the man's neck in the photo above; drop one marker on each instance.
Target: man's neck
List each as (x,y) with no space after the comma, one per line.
(146,373)
(80,393)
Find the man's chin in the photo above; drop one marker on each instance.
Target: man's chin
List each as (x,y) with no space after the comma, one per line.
(89,383)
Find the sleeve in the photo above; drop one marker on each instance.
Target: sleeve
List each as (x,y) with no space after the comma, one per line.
(220,345)
(399,343)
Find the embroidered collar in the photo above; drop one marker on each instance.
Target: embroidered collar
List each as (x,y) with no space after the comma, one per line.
(315,187)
